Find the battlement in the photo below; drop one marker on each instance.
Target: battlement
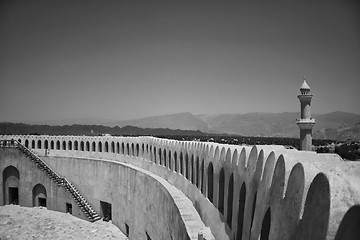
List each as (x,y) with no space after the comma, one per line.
(239,192)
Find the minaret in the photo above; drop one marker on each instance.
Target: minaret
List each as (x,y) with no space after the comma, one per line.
(305,123)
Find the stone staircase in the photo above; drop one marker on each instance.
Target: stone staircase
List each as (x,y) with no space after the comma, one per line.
(61,182)
(81,202)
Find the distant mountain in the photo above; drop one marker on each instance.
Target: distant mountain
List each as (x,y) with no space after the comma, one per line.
(91,130)
(338,126)
(79,121)
(335,125)
(253,124)
(336,120)
(131,130)
(328,126)
(182,121)
(351,133)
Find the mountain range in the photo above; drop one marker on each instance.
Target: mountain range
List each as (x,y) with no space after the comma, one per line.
(90,130)
(336,125)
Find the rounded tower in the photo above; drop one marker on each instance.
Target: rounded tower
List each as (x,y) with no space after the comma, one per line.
(305,123)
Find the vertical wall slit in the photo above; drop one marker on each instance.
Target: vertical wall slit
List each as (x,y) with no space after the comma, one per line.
(242,199)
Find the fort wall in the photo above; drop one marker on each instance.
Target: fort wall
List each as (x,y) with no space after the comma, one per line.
(29,176)
(144,202)
(240,192)
(139,199)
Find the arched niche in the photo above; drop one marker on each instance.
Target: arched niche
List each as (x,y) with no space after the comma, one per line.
(39,195)
(221,191)
(242,200)
(11,178)
(210,182)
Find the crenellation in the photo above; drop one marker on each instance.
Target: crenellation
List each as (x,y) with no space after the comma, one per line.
(229,185)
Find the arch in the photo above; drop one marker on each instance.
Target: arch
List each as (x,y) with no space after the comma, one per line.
(122,148)
(160,157)
(137,150)
(349,226)
(164,155)
(87,145)
(142,149)
(221,191)
(181,164)
(253,211)
(99,147)
(159,153)
(187,166)
(202,176)
(192,169)
(33,144)
(11,178)
(76,145)
(230,201)
(315,219)
(64,145)
(132,149)
(112,147)
(210,182)
(70,145)
(93,146)
(58,145)
(127,149)
(82,146)
(265,226)
(117,147)
(26,143)
(39,144)
(52,144)
(39,195)
(106,146)
(169,160)
(154,150)
(175,162)
(197,167)
(46,144)
(242,199)
(19,140)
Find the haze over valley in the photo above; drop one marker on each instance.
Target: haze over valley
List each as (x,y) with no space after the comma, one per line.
(336,125)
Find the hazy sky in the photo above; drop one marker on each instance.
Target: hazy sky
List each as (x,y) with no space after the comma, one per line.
(129,59)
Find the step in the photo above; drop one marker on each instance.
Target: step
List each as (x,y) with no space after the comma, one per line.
(95,219)
(79,199)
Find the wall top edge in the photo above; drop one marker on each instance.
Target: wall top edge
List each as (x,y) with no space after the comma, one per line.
(266,148)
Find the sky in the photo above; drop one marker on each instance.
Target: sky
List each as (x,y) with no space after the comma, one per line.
(130,59)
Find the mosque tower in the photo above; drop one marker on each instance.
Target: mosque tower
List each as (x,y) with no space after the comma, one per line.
(305,123)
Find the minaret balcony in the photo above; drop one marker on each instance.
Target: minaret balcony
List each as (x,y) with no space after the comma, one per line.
(304,120)
(305,123)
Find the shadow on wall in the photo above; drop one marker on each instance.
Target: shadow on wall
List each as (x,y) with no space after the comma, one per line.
(350,225)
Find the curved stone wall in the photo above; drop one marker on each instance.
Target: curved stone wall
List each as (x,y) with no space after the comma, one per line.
(240,192)
(143,204)
(29,179)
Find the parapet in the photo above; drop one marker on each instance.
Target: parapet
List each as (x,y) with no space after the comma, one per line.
(239,191)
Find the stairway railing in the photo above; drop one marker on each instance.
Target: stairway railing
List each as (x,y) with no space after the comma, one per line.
(60,181)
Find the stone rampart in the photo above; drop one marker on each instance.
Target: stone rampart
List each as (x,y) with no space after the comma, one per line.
(239,192)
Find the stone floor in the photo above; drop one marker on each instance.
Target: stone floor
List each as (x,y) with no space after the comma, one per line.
(39,223)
